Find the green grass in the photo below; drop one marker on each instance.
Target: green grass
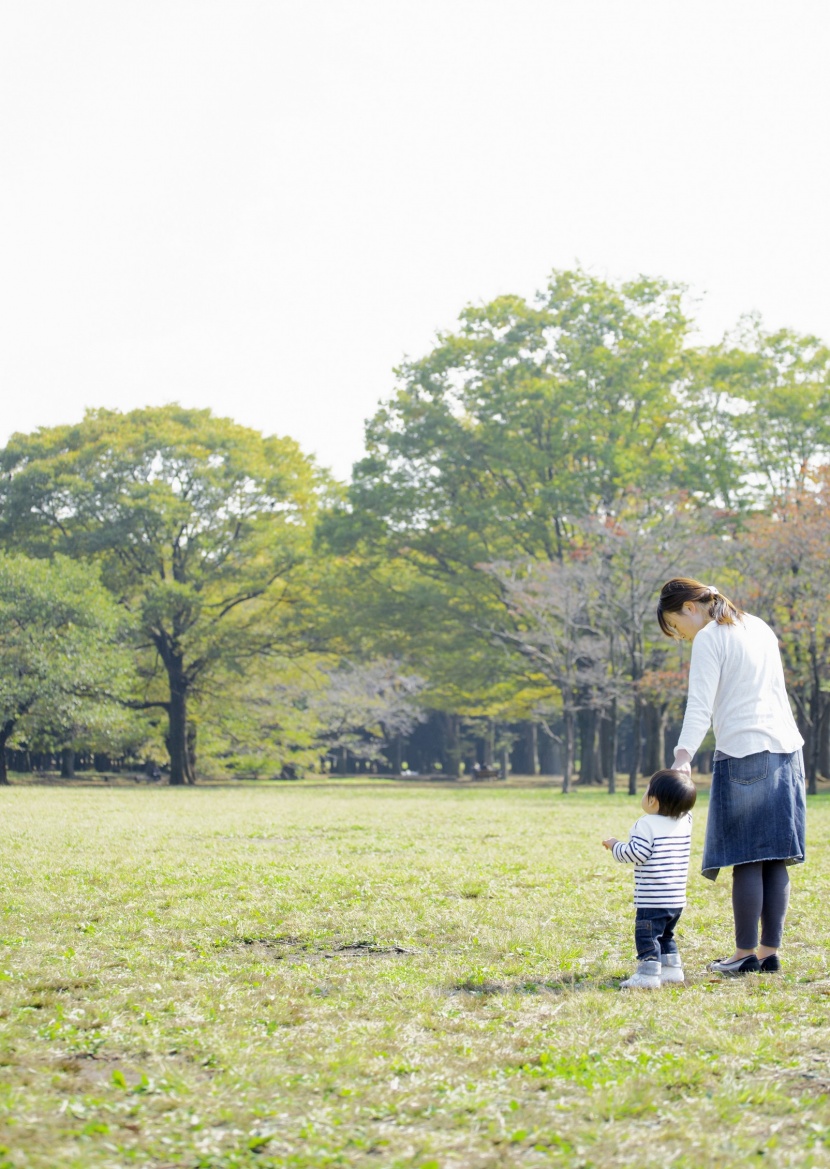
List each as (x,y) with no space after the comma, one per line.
(366,974)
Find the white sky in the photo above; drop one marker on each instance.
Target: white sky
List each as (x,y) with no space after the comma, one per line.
(262,206)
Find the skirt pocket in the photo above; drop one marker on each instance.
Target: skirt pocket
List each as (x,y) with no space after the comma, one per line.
(749,769)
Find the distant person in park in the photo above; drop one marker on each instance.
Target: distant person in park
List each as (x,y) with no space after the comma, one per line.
(757,803)
(658,847)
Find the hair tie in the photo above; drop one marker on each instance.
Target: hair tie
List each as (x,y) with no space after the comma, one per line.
(713,590)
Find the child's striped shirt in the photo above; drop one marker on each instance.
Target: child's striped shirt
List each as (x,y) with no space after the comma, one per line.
(659,848)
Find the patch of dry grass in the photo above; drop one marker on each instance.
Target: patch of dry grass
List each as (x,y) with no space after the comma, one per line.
(393,976)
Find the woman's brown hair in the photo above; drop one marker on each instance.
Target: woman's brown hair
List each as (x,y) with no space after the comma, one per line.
(675,593)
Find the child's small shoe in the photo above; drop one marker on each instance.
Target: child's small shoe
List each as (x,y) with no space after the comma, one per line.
(671,968)
(645,977)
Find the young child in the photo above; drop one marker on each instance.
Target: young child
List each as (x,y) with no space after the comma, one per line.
(658,847)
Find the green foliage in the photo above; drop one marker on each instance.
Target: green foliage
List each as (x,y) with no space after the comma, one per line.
(788,425)
(257,722)
(189,515)
(200,527)
(580,428)
(758,415)
(269,722)
(579,434)
(525,418)
(64,662)
(497,449)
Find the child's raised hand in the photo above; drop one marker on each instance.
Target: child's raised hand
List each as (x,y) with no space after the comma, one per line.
(610,842)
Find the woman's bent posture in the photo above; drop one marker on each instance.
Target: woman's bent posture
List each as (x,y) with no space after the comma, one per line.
(757,803)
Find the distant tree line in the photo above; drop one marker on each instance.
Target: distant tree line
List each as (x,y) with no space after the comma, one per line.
(178,588)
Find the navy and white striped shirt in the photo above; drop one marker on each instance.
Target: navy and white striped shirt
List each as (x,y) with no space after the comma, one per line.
(659,848)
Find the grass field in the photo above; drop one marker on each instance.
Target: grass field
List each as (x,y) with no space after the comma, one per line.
(371,974)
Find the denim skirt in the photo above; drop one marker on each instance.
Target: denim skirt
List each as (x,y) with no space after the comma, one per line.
(757,811)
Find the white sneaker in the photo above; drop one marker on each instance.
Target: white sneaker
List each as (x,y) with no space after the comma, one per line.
(645,977)
(671,968)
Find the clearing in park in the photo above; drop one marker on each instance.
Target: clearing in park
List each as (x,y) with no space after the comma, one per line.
(384,974)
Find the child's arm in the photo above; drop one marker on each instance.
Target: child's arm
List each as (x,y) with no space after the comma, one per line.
(636,850)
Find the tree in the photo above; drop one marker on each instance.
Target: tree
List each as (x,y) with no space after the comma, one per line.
(526,419)
(200,527)
(283,725)
(552,622)
(788,425)
(375,604)
(652,541)
(63,662)
(588,622)
(497,444)
(757,409)
(787,570)
(362,708)
(257,721)
(714,404)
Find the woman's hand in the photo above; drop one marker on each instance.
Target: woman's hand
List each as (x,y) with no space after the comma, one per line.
(683,762)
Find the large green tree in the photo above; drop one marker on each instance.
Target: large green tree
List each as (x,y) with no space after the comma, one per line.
(63,658)
(498,444)
(526,418)
(788,423)
(200,527)
(757,412)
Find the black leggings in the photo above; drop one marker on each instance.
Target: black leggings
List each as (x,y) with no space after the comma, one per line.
(760,890)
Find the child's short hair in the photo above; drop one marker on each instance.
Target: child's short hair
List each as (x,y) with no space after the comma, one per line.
(674,792)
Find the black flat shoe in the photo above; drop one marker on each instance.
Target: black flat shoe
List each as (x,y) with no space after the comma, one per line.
(770,965)
(748,965)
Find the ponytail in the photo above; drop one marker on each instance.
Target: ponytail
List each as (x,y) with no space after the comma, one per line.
(675,593)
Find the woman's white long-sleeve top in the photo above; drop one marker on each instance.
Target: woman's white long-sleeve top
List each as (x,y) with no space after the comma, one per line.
(736,684)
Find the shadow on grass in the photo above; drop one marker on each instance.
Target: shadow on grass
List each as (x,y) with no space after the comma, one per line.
(555,985)
(287,946)
(565,983)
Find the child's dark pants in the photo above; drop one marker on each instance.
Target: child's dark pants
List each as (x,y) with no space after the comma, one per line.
(654,932)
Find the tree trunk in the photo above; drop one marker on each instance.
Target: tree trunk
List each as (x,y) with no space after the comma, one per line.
(569,750)
(654,720)
(488,745)
(5,733)
(67,763)
(649,738)
(452,746)
(608,738)
(815,721)
(177,730)
(502,749)
(518,763)
(547,754)
(397,754)
(588,762)
(636,738)
(824,738)
(802,721)
(190,756)
(532,734)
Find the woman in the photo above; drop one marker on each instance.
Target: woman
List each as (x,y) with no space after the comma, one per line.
(757,804)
